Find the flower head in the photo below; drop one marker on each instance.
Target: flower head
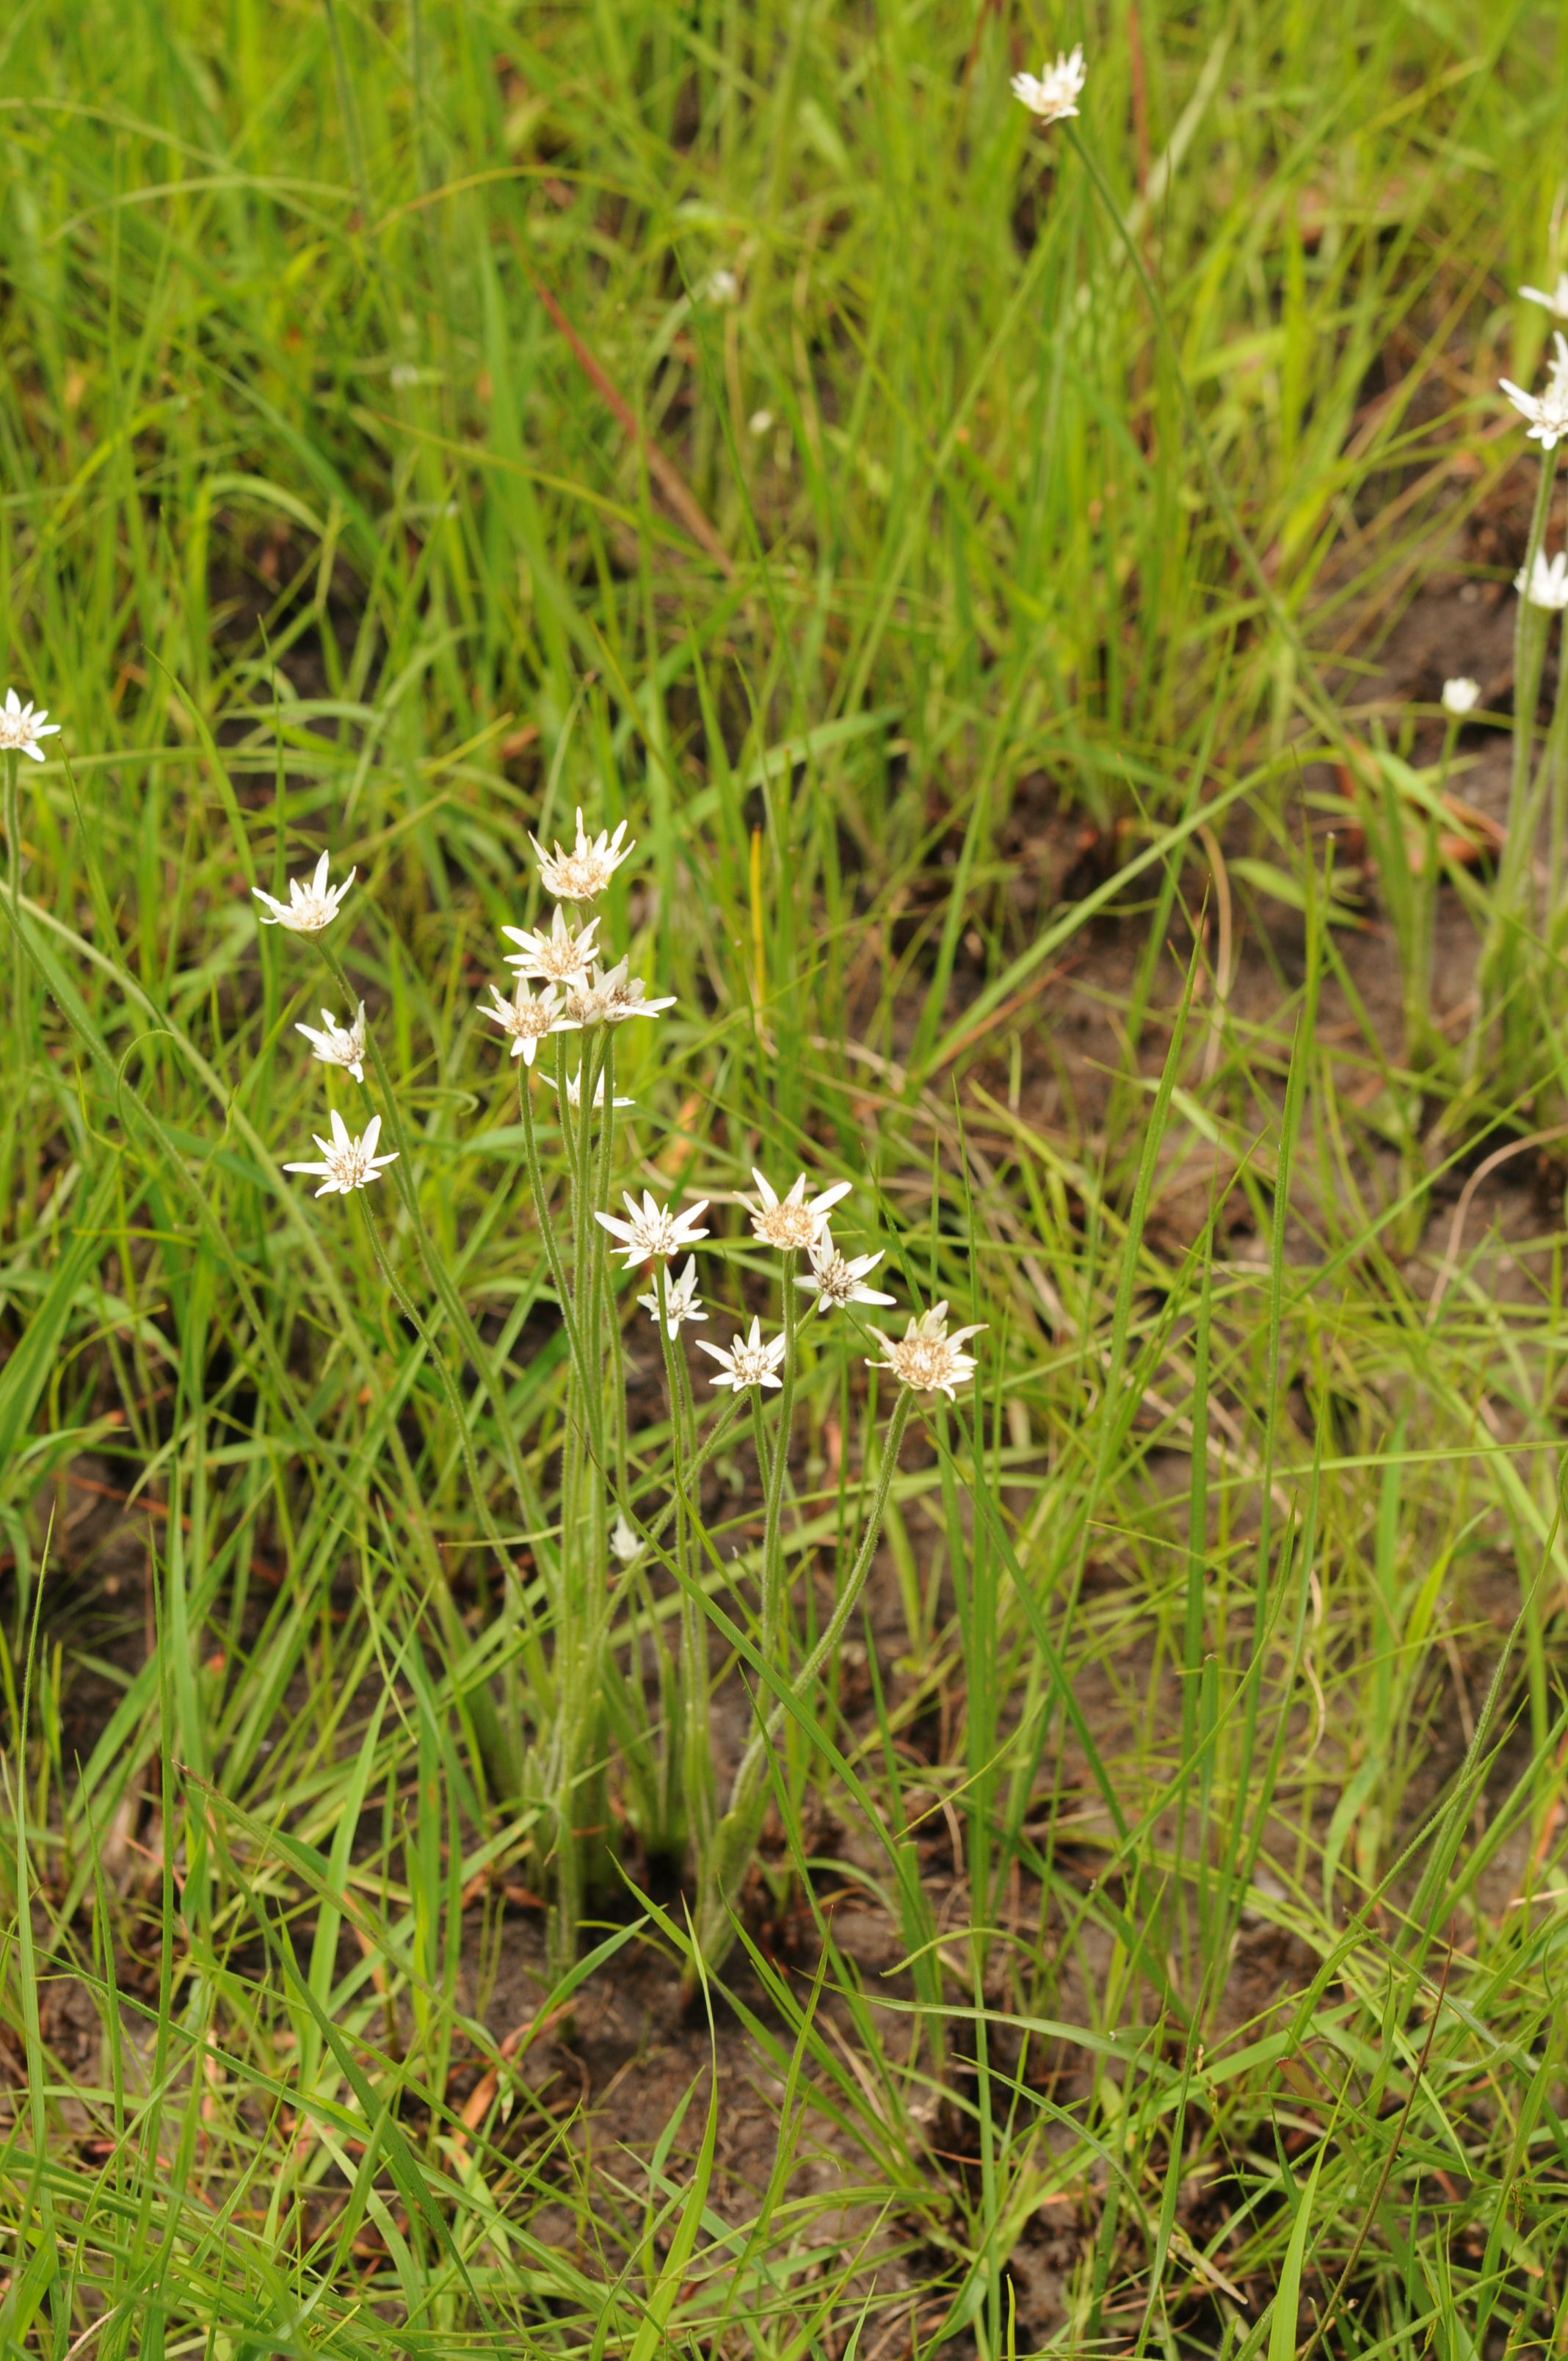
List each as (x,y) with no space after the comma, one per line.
(747,1361)
(1548,412)
(720,287)
(833,1281)
(1556,302)
(926,1357)
(563,956)
(623,1541)
(527,1020)
(583,873)
(652,1229)
(309,909)
(1547,585)
(21,728)
(339,1045)
(606,997)
(1460,697)
(575,1092)
(681,1299)
(1057,91)
(350,1163)
(796,1221)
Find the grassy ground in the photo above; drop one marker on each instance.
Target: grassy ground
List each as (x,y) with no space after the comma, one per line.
(964,553)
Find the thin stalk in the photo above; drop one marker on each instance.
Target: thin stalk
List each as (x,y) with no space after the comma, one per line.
(834,1628)
(698,1779)
(499,1754)
(723,1869)
(773,1552)
(692,1682)
(1530,643)
(552,1244)
(435,1270)
(1509,895)
(1557,773)
(14,855)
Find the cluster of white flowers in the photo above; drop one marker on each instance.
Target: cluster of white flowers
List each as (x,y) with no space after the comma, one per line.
(1460,697)
(350,1162)
(579,992)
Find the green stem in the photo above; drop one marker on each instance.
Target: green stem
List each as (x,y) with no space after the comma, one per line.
(725,1866)
(552,1244)
(1510,894)
(773,1550)
(1279,613)
(1530,643)
(679,1744)
(13,854)
(446,1293)
(499,1756)
(833,1630)
(1557,768)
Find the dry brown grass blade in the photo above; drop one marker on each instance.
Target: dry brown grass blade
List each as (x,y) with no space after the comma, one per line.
(663,469)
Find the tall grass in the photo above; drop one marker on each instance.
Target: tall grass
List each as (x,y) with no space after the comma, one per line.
(389,466)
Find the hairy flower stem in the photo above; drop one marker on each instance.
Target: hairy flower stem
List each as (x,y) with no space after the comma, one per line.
(552,1254)
(772,1536)
(696,1779)
(1510,895)
(497,1750)
(446,1293)
(735,1840)
(1557,770)
(1529,647)
(14,856)
(685,1757)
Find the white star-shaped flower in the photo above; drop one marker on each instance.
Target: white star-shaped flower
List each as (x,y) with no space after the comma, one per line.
(1548,586)
(835,1281)
(623,1541)
(606,997)
(1547,412)
(309,909)
(1055,94)
(583,873)
(526,1020)
(795,1222)
(1556,302)
(339,1045)
(652,1229)
(563,956)
(926,1357)
(575,1092)
(1460,697)
(682,1301)
(350,1163)
(21,728)
(747,1361)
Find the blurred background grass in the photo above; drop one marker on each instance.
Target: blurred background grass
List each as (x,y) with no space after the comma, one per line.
(418,421)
